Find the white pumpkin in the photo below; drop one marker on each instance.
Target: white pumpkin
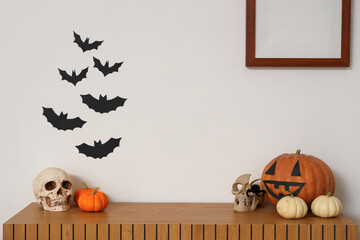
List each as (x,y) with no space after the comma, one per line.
(326,206)
(291,207)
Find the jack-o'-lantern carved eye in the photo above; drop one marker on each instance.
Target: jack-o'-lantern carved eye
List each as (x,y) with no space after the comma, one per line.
(271,170)
(296,171)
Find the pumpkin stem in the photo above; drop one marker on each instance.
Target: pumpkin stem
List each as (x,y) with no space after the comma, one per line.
(298,152)
(291,194)
(329,194)
(93,192)
(253,181)
(86,187)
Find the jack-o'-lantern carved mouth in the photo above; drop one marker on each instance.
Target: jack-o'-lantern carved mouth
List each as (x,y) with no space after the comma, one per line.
(286,185)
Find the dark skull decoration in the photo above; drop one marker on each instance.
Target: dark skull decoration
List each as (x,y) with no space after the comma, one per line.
(53,189)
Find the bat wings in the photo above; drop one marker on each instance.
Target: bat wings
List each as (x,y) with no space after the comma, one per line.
(103,105)
(73,78)
(99,150)
(106,69)
(61,122)
(85,45)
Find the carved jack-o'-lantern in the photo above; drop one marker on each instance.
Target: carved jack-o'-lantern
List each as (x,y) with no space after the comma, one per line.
(306,176)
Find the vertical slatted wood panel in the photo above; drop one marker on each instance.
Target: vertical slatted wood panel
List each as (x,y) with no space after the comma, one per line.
(138,232)
(257,231)
(8,232)
(197,232)
(233,232)
(126,232)
(293,232)
(90,233)
(269,231)
(43,231)
(19,232)
(174,232)
(304,231)
(281,232)
(329,232)
(162,232)
(67,232)
(185,231)
(245,231)
(352,232)
(150,231)
(115,231)
(55,231)
(79,231)
(103,231)
(316,232)
(31,231)
(340,232)
(221,232)
(209,232)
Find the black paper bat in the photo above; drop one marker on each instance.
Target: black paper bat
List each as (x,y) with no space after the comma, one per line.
(85,45)
(61,122)
(105,69)
(73,78)
(102,105)
(99,150)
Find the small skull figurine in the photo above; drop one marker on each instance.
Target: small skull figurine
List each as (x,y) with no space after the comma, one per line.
(53,189)
(245,199)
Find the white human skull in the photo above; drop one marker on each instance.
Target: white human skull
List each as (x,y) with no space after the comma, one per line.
(53,189)
(244,203)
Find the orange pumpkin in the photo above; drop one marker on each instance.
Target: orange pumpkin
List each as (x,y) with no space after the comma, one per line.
(306,176)
(93,200)
(80,191)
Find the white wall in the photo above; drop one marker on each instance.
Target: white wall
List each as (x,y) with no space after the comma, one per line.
(196,117)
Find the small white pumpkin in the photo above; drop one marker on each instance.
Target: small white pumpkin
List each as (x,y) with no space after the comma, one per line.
(291,207)
(326,206)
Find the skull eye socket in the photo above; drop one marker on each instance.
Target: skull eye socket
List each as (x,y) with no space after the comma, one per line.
(67,185)
(50,185)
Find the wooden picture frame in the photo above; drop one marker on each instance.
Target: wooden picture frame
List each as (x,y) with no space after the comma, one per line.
(252,61)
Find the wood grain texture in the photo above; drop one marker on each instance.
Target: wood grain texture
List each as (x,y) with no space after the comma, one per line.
(281,232)
(197,232)
(221,232)
(31,231)
(257,232)
(43,231)
(352,232)
(185,231)
(304,232)
(269,231)
(115,231)
(67,232)
(174,232)
(245,231)
(209,232)
(340,232)
(233,232)
(19,232)
(162,232)
(103,231)
(55,231)
(8,231)
(126,231)
(252,61)
(91,231)
(316,232)
(139,232)
(329,232)
(150,231)
(79,231)
(293,232)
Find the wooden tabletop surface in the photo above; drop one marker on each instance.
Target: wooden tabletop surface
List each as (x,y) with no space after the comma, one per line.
(158,213)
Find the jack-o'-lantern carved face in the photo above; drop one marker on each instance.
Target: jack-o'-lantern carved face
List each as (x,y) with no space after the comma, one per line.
(304,175)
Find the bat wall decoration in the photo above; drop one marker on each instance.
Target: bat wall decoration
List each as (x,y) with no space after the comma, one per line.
(106,69)
(61,122)
(85,45)
(73,78)
(99,150)
(103,105)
